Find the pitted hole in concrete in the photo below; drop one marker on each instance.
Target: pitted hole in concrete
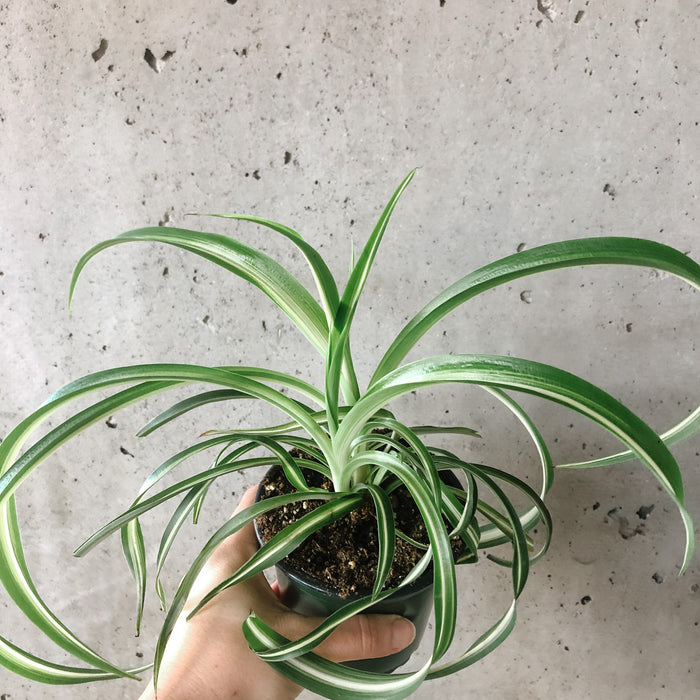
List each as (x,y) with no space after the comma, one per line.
(526,296)
(546,7)
(579,16)
(645,511)
(100,51)
(638,23)
(231,2)
(157,64)
(657,578)
(625,530)
(151,60)
(609,189)
(586,600)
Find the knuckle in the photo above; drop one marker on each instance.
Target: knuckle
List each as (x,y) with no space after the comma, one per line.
(367,638)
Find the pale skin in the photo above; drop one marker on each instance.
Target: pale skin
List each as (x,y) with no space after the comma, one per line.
(208,657)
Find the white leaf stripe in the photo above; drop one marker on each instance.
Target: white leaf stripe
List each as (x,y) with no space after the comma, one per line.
(340,329)
(32,667)
(13,570)
(535,435)
(294,649)
(538,379)
(173,527)
(445,587)
(551,256)
(141,507)
(333,680)
(687,427)
(250,264)
(235,523)
(483,646)
(325,283)
(386,535)
(135,554)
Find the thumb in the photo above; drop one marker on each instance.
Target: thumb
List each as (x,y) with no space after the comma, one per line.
(366,637)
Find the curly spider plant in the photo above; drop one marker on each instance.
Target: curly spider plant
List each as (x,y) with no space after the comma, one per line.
(356,442)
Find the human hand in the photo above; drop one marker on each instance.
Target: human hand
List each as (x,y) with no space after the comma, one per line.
(208,657)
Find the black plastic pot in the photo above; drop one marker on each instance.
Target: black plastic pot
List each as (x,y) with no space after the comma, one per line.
(311,598)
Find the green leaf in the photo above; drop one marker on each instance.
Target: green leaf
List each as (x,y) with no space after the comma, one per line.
(444,430)
(535,435)
(445,587)
(552,256)
(189,404)
(35,669)
(285,542)
(143,506)
(192,502)
(325,283)
(687,427)
(329,679)
(292,650)
(461,516)
(167,539)
(14,573)
(246,262)
(340,330)
(483,646)
(417,451)
(517,521)
(151,379)
(327,289)
(234,524)
(135,554)
(154,378)
(386,535)
(533,378)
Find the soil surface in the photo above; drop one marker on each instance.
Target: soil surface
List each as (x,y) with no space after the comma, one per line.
(344,554)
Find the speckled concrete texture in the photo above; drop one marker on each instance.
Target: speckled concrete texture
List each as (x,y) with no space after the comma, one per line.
(529,122)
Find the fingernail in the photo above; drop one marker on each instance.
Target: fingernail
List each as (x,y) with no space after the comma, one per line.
(402,633)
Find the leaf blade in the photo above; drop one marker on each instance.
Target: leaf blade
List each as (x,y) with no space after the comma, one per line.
(551,256)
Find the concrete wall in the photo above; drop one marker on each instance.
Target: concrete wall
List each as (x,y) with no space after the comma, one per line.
(528,125)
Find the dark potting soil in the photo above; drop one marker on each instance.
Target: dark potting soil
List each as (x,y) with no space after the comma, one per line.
(344,554)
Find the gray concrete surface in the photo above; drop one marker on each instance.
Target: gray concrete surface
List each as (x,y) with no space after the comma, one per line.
(527,126)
